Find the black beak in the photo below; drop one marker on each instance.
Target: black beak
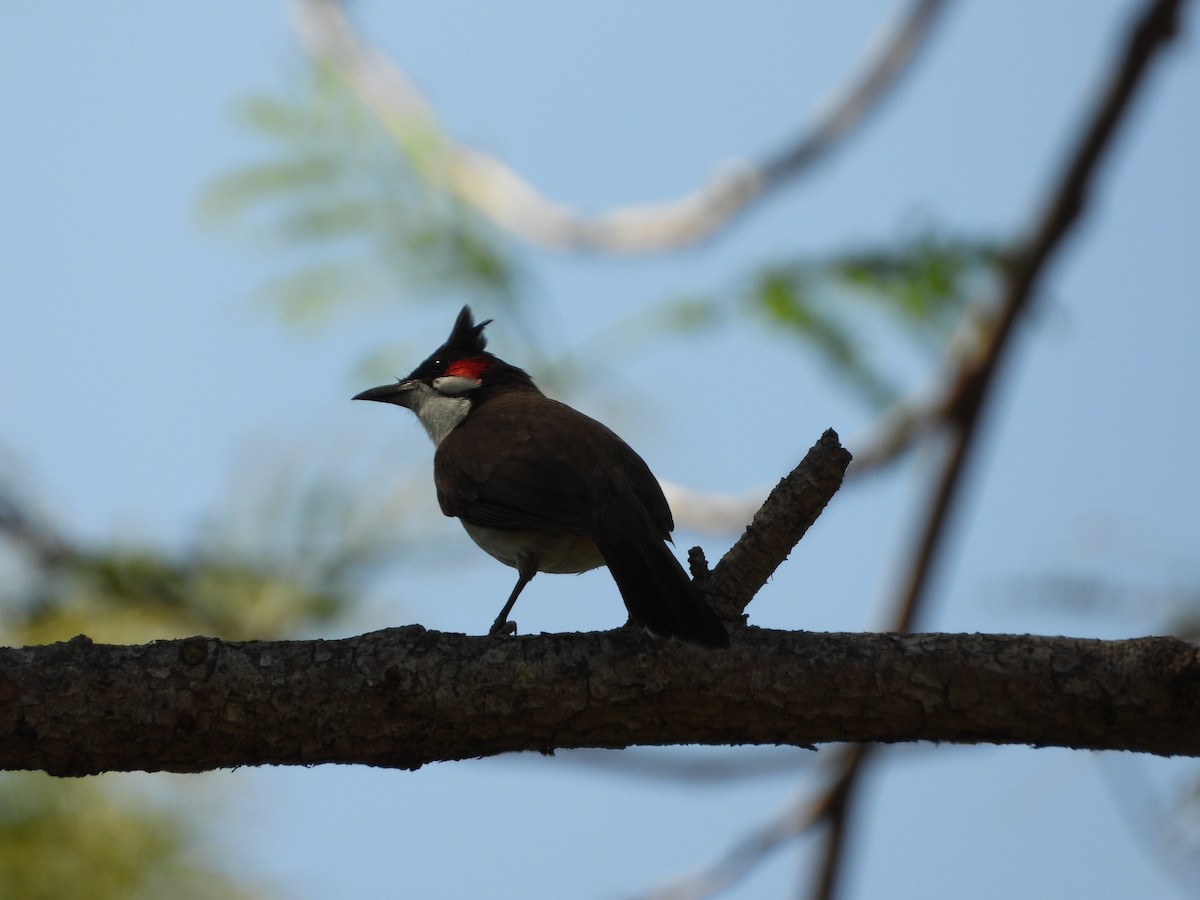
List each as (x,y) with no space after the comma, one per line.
(399,393)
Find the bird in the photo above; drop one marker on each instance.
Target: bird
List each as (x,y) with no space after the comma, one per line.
(541,487)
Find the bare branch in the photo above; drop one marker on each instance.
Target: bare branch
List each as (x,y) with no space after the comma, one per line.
(711,513)
(791,508)
(835,808)
(1150,33)
(895,52)
(515,205)
(405,697)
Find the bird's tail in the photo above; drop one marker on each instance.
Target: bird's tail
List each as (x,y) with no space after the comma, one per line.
(657,591)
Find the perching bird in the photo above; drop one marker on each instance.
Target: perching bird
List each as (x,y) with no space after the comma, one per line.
(544,488)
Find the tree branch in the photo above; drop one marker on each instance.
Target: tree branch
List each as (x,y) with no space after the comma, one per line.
(405,697)
(787,513)
(515,205)
(1150,32)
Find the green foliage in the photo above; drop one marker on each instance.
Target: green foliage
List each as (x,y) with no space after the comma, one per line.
(920,291)
(923,287)
(288,553)
(356,204)
(925,284)
(790,297)
(134,595)
(88,839)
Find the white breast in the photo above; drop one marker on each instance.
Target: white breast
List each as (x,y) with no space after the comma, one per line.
(564,554)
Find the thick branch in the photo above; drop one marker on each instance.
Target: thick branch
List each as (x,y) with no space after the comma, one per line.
(405,697)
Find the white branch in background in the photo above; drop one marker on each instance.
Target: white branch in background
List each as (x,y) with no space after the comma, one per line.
(512,203)
(717,514)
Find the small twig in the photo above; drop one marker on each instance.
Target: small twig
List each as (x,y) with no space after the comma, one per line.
(784,517)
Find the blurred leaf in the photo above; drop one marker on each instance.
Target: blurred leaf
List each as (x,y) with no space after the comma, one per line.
(691,314)
(304,297)
(925,283)
(277,117)
(240,193)
(863,312)
(131,596)
(350,193)
(290,550)
(88,840)
(789,298)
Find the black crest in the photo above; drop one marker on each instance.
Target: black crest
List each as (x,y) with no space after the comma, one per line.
(466,341)
(466,338)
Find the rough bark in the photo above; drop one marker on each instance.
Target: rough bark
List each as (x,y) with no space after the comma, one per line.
(404,697)
(785,516)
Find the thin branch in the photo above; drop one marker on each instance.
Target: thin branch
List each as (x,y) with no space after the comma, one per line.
(1067,201)
(835,807)
(800,816)
(711,513)
(896,52)
(1150,33)
(515,205)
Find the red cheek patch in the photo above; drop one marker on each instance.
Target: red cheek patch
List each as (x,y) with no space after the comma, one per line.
(468,368)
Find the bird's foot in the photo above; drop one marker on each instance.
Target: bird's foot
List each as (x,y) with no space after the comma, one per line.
(502,627)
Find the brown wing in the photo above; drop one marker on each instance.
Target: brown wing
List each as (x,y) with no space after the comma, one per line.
(506,466)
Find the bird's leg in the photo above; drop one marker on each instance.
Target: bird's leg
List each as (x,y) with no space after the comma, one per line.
(526,569)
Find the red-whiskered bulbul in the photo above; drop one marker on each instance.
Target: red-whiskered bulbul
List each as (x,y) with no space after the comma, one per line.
(544,488)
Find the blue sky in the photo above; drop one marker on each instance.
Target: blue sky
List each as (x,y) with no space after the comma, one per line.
(135,372)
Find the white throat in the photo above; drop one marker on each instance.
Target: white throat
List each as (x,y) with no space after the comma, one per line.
(439,414)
